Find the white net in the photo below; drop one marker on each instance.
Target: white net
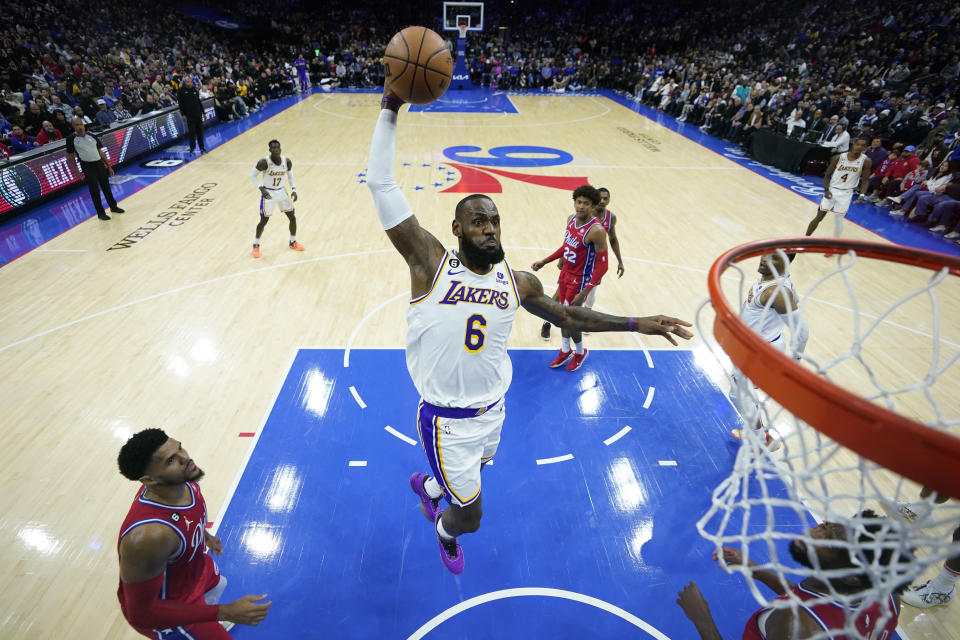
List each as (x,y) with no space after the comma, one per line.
(889,333)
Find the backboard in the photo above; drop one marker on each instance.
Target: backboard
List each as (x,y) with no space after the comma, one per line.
(455,13)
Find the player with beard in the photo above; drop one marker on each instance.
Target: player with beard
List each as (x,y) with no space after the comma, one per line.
(459,318)
(879,620)
(169,585)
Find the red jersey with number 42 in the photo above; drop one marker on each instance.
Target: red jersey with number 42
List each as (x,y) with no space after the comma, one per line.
(184,578)
(833,616)
(578,256)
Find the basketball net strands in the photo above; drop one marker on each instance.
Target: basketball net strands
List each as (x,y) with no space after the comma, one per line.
(840,415)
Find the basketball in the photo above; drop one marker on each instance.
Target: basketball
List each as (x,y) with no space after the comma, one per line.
(418,65)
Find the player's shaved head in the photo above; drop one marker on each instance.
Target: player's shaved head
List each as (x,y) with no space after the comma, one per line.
(462,208)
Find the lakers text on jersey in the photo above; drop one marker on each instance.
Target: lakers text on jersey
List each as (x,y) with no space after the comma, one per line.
(457,335)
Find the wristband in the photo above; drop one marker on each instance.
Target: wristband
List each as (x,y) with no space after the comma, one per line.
(391,101)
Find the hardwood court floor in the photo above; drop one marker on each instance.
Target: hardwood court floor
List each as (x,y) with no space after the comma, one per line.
(162,318)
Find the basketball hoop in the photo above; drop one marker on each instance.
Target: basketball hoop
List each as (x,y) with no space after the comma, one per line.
(462,28)
(913,450)
(854,421)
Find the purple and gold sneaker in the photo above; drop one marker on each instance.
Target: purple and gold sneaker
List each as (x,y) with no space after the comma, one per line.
(451,553)
(429,506)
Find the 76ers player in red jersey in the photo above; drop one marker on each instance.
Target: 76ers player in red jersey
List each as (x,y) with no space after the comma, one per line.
(584,255)
(169,585)
(815,613)
(609,222)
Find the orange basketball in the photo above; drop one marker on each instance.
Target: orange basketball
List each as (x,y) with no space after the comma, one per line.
(418,65)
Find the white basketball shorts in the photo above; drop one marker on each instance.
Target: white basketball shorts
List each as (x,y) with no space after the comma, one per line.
(278,197)
(839,203)
(457,442)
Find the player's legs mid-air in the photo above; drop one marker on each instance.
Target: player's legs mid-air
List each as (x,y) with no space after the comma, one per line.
(458,444)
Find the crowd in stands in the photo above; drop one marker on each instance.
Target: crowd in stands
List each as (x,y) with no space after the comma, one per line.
(816,71)
(63,60)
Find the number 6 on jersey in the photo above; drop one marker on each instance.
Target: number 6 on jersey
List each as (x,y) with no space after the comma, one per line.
(473,340)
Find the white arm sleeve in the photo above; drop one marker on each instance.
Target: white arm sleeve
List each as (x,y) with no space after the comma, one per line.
(293,185)
(256,178)
(799,333)
(392,206)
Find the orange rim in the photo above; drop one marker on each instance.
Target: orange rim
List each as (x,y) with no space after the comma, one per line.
(925,455)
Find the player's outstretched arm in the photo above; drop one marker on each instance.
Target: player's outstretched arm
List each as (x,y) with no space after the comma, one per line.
(533,300)
(697,610)
(144,553)
(422,251)
(733,557)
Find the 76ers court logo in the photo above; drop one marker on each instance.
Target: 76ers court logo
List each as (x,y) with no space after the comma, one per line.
(478,175)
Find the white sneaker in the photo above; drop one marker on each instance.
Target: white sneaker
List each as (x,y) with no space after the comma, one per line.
(938,229)
(924,597)
(898,213)
(952,235)
(906,509)
(897,199)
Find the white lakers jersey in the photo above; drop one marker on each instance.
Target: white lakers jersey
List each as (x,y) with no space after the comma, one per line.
(276,174)
(765,321)
(846,175)
(457,335)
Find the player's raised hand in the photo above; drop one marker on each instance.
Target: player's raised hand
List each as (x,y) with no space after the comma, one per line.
(693,603)
(388,94)
(731,557)
(663,326)
(214,544)
(249,610)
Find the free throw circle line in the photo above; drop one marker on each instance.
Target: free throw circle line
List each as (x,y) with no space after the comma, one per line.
(563,458)
(547,592)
